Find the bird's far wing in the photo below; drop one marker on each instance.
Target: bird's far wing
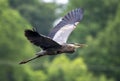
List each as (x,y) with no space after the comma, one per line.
(62,30)
(41,40)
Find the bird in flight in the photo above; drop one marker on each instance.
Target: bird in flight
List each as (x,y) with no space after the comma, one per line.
(55,42)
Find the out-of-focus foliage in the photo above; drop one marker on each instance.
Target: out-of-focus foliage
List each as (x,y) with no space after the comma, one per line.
(13,44)
(13,72)
(39,14)
(63,69)
(101,30)
(105,54)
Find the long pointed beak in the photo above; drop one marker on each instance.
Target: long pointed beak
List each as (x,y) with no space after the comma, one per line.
(80,45)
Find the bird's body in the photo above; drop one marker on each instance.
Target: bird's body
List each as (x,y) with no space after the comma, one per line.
(66,48)
(55,42)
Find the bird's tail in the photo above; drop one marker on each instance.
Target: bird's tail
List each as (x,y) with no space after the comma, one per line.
(26,61)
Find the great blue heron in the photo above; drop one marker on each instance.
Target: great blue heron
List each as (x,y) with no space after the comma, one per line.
(55,42)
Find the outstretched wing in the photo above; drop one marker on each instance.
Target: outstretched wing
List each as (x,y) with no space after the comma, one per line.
(62,30)
(41,40)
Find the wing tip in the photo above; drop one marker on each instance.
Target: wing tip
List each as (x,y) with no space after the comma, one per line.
(28,32)
(73,16)
(31,36)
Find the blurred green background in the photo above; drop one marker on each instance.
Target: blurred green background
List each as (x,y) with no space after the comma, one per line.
(100,29)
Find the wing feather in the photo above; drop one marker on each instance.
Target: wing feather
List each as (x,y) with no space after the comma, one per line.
(40,40)
(62,30)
